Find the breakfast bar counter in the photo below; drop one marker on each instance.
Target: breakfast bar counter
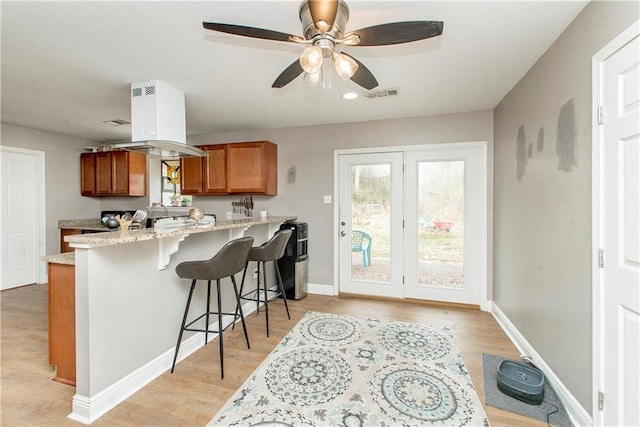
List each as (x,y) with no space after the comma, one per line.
(129,304)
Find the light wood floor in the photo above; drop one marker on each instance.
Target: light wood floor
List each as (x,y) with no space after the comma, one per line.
(194,393)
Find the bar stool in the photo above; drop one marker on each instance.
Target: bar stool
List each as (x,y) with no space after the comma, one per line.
(271,250)
(226,263)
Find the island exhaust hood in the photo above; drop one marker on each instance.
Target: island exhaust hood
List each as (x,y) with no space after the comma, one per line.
(158,124)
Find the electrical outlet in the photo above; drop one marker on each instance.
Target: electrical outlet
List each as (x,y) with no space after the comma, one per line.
(255,274)
(326,199)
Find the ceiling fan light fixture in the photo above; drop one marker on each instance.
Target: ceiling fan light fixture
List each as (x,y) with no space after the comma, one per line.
(345,66)
(314,79)
(311,59)
(323,13)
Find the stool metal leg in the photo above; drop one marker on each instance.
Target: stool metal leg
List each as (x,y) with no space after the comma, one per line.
(244,273)
(281,286)
(184,322)
(220,329)
(266,295)
(206,325)
(258,290)
(239,307)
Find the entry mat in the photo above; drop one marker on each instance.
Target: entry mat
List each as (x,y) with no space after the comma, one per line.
(551,410)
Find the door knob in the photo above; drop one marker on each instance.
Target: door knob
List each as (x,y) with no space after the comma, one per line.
(342,233)
(343,223)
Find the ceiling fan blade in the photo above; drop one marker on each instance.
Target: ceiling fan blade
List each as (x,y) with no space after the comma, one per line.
(241,30)
(323,13)
(398,32)
(288,75)
(362,76)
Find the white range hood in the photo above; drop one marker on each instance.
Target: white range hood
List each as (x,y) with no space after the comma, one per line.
(158,124)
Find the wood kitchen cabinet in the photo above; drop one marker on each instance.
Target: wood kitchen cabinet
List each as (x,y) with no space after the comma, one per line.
(205,175)
(237,168)
(62,321)
(64,246)
(252,168)
(113,173)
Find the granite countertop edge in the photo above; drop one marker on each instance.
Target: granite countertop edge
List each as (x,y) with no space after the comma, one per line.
(92,224)
(68,258)
(135,235)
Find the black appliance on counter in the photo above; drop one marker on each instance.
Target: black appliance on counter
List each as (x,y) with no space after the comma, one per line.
(294,264)
(107,214)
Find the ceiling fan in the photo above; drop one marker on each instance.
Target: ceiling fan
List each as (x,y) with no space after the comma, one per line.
(323,24)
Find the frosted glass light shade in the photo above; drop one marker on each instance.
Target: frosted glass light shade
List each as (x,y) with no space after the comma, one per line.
(311,59)
(345,66)
(313,79)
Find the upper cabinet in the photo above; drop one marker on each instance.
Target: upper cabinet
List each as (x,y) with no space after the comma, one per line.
(238,168)
(205,175)
(113,173)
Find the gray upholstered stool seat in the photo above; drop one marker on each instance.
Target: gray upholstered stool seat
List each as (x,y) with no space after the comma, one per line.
(271,250)
(226,263)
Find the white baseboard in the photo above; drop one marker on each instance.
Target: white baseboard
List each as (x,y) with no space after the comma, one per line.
(88,409)
(319,289)
(579,416)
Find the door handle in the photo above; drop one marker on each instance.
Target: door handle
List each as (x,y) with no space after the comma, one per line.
(342,233)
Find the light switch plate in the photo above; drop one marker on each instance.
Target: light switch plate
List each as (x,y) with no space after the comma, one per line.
(327,199)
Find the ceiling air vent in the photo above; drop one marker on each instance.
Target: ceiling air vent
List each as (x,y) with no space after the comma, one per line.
(117,122)
(381,93)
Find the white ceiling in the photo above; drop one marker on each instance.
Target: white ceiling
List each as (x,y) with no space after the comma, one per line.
(67,66)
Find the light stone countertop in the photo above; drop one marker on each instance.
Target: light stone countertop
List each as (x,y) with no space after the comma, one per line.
(68,258)
(135,235)
(92,224)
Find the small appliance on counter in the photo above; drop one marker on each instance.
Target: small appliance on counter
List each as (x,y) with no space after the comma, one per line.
(107,217)
(294,264)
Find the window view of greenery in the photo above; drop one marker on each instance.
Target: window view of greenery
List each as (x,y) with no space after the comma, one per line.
(371,218)
(441,223)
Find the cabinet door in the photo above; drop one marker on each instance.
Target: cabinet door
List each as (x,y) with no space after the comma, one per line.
(120,172)
(64,246)
(129,173)
(252,168)
(104,173)
(191,175)
(87,174)
(215,169)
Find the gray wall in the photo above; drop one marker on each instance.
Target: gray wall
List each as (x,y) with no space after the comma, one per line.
(310,150)
(62,166)
(542,197)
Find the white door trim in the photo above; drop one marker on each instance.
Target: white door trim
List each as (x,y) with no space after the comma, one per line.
(487,212)
(41,221)
(596,201)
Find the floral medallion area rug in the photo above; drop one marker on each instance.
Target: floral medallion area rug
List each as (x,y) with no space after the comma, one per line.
(333,370)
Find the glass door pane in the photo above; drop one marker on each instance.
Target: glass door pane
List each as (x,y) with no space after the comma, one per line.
(441,207)
(370,222)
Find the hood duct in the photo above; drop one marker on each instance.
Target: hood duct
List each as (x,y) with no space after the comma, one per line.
(158,124)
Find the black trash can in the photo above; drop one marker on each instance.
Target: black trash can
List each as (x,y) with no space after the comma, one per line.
(294,264)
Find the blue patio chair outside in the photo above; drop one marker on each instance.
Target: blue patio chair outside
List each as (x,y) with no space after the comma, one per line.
(361,242)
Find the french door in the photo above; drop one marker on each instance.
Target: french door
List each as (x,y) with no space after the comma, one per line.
(445,223)
(370,224)
(412,223)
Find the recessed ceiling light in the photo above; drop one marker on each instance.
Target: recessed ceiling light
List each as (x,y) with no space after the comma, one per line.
(349,95)
(117,122)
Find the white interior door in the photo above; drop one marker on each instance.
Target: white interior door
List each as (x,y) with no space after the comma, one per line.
(370,224)
(445,224)
(619,218)
(19,218)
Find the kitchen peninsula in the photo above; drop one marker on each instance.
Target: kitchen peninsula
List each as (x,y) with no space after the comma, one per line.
(129,304)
